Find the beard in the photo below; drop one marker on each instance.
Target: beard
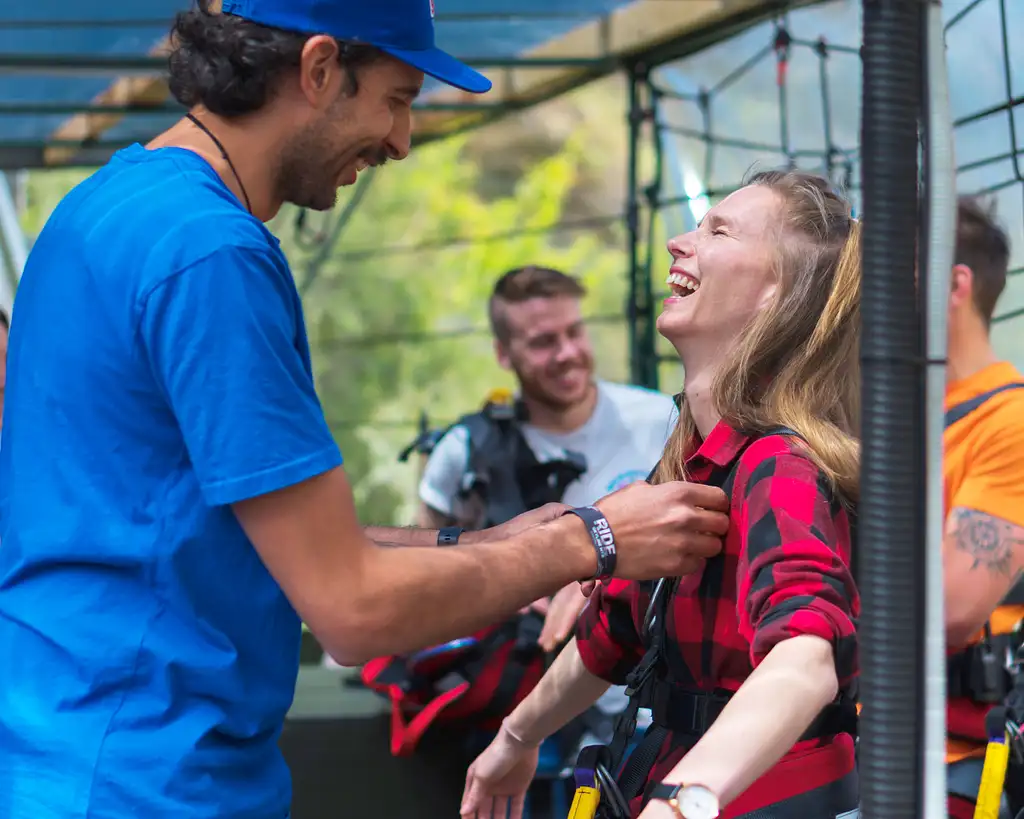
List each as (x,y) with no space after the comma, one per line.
(307,178)
(537,391)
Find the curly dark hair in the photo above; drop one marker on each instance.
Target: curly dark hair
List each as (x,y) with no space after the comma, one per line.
(232,66)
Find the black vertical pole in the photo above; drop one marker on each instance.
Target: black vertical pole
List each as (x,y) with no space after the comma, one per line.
(891,530)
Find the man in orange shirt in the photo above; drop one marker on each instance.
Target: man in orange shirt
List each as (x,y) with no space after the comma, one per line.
(983,548)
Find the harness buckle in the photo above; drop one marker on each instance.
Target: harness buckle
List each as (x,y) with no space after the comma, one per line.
(699,721)
(639,676)
(626,723)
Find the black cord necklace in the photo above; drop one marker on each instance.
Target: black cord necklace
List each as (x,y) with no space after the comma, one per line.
(223,153)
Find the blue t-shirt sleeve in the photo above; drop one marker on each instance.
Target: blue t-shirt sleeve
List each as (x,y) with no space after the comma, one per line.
(226,342)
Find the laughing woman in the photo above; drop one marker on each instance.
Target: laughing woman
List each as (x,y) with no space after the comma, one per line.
(752,687)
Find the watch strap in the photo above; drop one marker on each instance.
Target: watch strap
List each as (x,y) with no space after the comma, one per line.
(449,535)
(663,792)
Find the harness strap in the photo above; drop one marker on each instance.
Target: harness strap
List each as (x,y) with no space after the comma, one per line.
(981,672)
(639,680)
(692,713)
(641,761)
(962,410)
(503,470)
(1015,596)
(524,651)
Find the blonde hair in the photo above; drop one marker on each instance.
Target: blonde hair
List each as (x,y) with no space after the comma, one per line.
(797,364)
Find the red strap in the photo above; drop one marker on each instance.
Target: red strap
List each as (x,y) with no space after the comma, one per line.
(372,670)
(405,736)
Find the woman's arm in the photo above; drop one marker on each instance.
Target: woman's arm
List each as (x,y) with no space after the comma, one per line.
(564,692)
(796,606)
(798,678)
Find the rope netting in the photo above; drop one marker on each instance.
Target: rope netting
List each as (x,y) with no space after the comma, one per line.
(787,93)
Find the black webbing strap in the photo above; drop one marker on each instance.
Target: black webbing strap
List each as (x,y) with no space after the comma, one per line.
(641,761)
(979,672)
(692,713)
(1015,596)
(524,652)
(960,411)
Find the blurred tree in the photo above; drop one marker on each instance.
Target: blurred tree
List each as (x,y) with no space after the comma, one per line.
(397,310)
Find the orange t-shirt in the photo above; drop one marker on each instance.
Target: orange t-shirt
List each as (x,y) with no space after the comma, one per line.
(984,470)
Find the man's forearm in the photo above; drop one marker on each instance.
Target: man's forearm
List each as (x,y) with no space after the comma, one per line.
(396,536)
(383,601)
(401,536)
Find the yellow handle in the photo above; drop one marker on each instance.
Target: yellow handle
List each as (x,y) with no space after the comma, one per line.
(585,803)
(500,395)
(993,777)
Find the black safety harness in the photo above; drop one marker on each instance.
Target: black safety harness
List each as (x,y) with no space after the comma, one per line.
(678,710)
(503,471)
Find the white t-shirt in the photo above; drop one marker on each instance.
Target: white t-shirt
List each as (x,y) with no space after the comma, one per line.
(621,442)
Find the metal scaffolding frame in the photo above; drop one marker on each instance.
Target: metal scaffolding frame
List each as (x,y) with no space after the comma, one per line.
(649,94)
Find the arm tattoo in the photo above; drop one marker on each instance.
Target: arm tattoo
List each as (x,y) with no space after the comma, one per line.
(992,543)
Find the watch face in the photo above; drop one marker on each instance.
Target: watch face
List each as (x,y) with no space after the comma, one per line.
(697,802)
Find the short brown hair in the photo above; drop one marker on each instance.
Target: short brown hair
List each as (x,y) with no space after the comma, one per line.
(982,245)
(523,284)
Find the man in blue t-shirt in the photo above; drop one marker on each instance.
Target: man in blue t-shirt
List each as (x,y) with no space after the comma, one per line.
(172,503)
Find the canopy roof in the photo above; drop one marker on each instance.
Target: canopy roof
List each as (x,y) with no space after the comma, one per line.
(81,79)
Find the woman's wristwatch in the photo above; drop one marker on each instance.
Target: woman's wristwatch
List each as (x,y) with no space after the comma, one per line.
(687,801)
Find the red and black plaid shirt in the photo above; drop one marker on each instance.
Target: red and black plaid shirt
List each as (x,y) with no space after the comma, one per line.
(784,571)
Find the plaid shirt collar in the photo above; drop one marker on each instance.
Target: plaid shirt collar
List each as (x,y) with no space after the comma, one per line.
(719,449)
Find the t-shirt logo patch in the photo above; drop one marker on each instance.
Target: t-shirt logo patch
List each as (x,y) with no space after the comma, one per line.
(624,479)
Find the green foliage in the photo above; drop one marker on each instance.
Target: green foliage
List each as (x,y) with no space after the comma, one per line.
(395,334)
(45,190)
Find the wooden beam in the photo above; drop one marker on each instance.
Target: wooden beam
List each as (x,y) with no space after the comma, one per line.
(608,42)
(89,126)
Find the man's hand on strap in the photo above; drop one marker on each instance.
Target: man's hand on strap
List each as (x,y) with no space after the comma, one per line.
(520,523)
(667,530)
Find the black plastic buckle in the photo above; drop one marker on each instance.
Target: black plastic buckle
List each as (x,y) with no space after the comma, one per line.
(699,717)
(626,722)
(990,683)
(639,676)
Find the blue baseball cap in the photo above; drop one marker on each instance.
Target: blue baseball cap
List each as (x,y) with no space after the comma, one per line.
(402,28)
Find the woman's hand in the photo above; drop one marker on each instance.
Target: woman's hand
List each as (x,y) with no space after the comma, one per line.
(497,781)
(561,615)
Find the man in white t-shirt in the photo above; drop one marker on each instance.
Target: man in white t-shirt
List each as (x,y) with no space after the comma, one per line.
(619,430)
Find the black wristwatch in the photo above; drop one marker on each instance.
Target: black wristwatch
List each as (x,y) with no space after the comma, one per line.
(449,535)
(687,801)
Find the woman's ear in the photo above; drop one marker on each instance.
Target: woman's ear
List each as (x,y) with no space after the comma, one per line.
(767,297)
